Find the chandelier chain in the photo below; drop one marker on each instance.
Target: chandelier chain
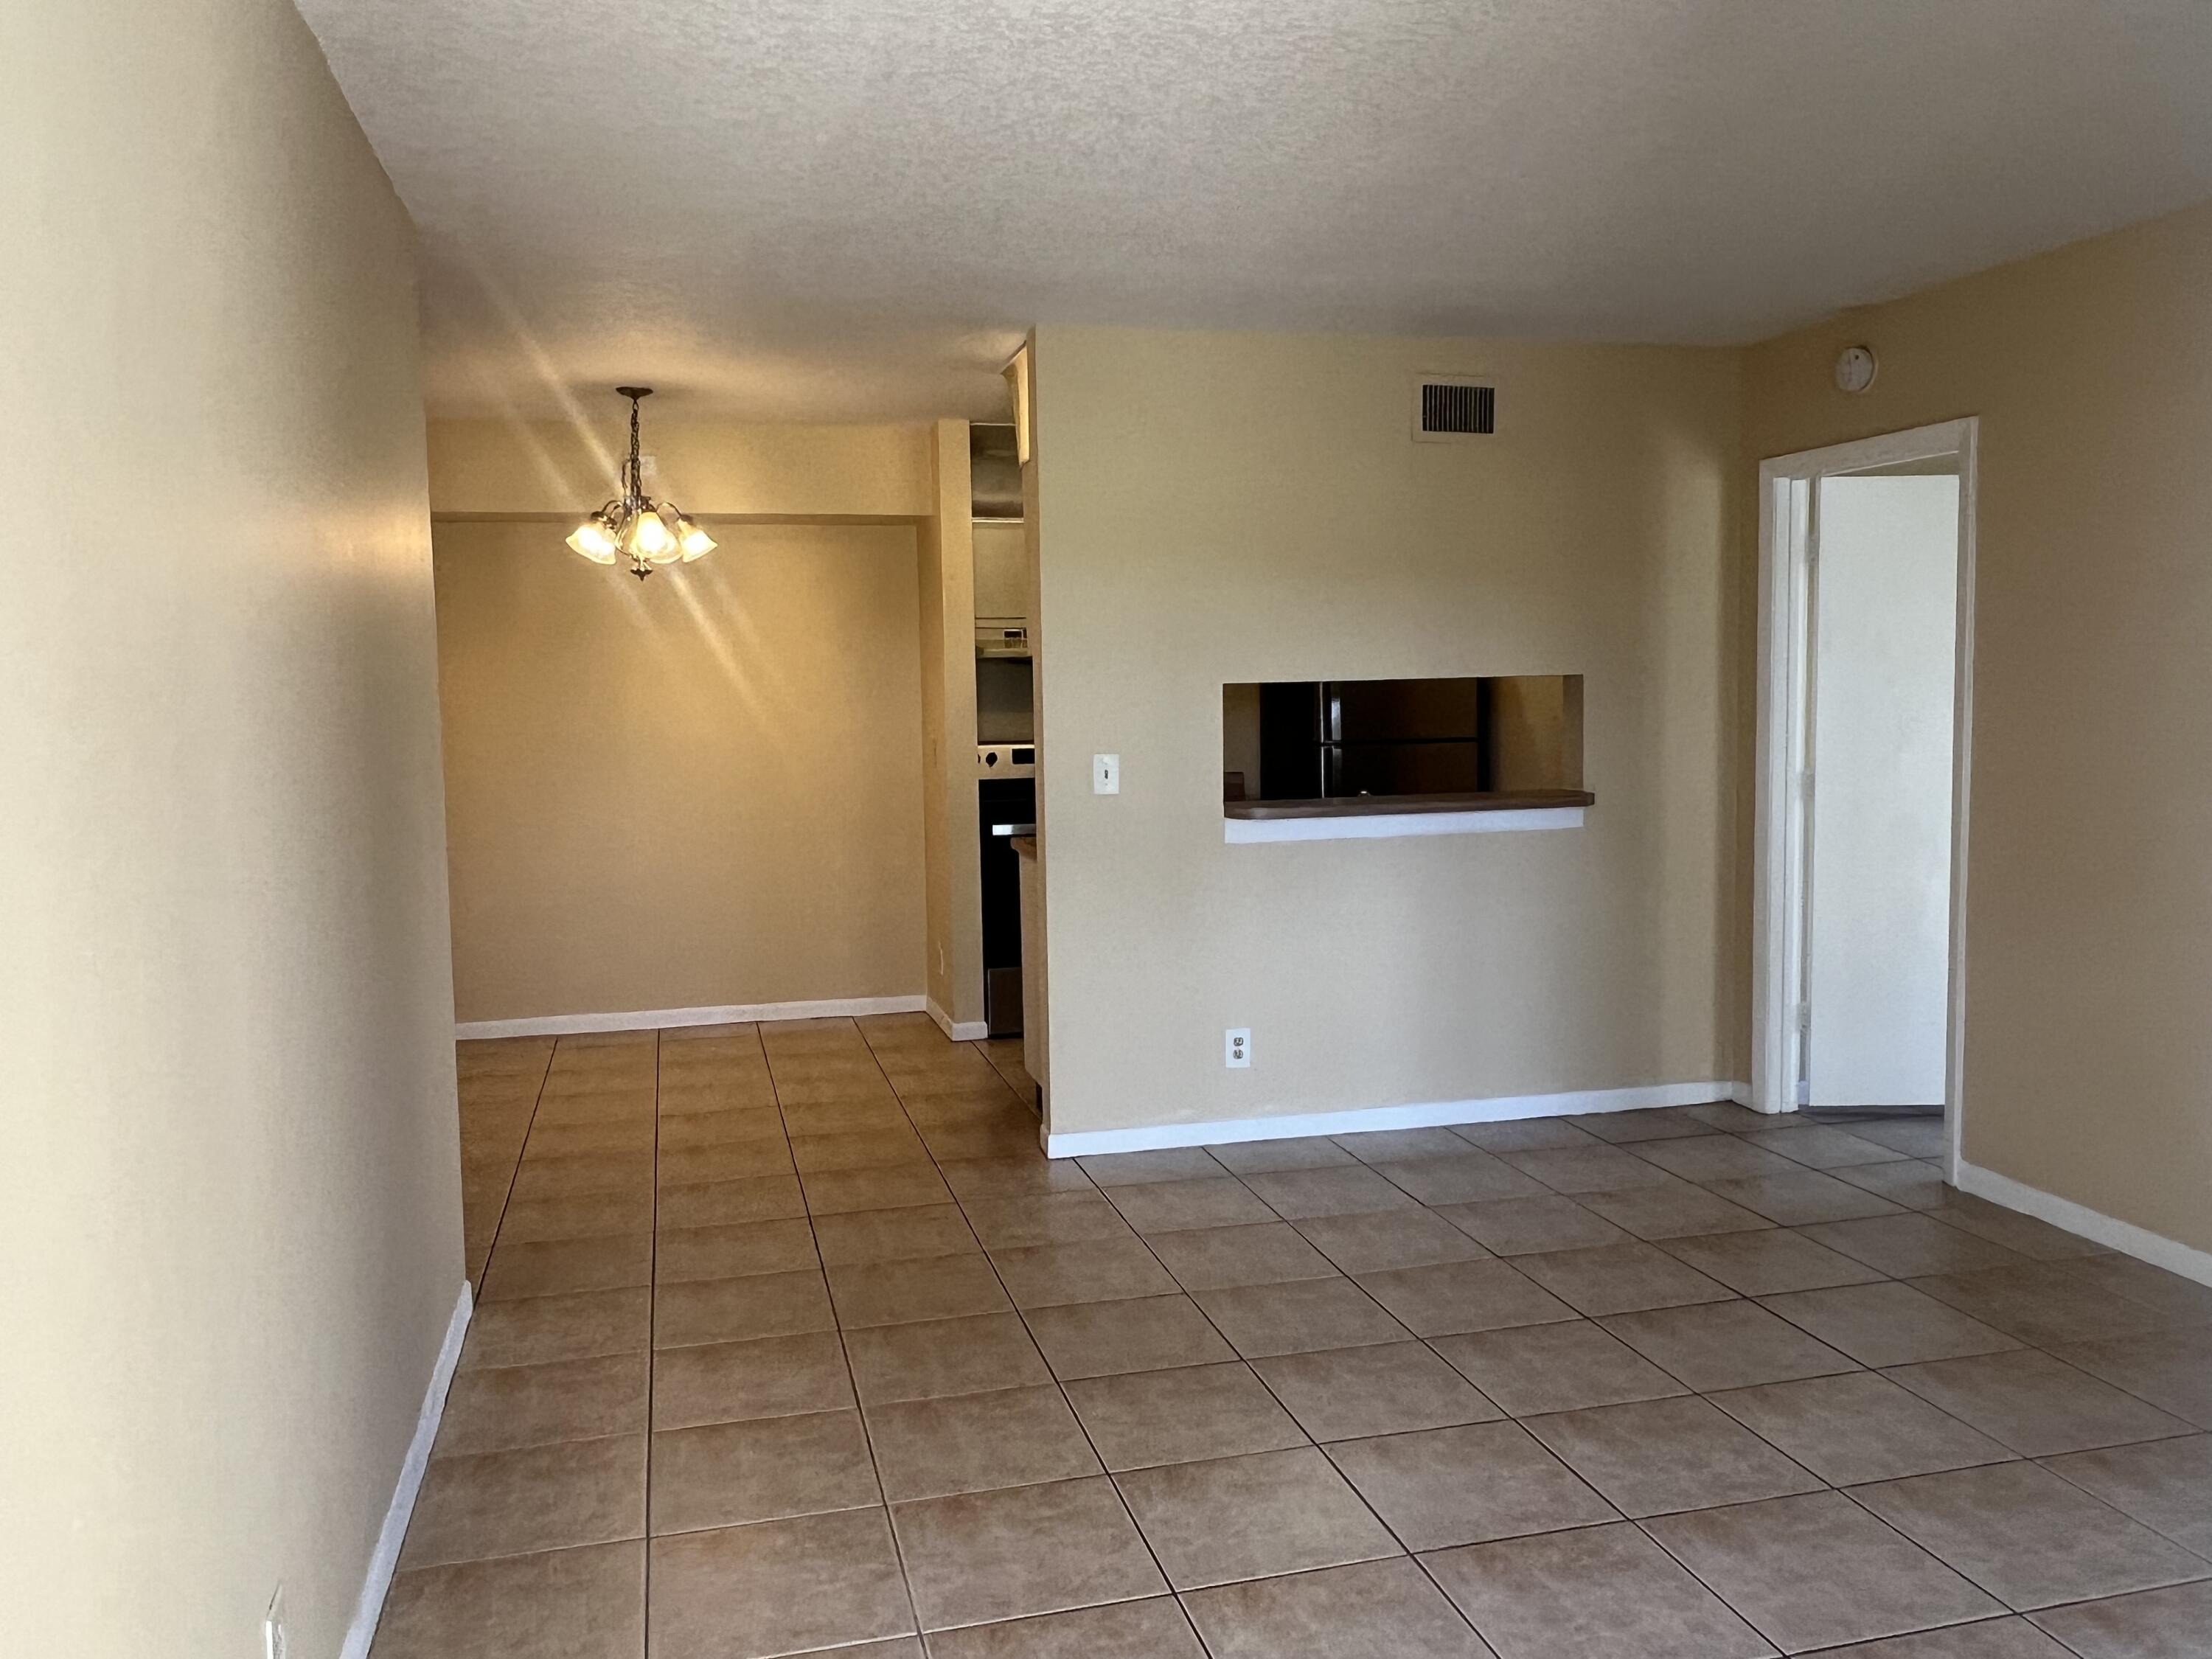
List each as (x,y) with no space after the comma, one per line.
(636,484)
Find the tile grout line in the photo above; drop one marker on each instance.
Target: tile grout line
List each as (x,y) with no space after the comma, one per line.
(2043,1463)
(937,1165)
(1405,1552)
(1425,1345)
(1415,1556)
(1824,1485)
(1844,1493)
(514,1175)
(1695,1578)
(1645,1531)
(2052,1353)
(1847,1492)
(852,1379)
(2064,1646)
(1241,1358)
(1857,1368)
(1113,1477)
(1059,1387)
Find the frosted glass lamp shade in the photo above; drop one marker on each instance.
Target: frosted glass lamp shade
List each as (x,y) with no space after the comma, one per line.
(592,539)
(696,543)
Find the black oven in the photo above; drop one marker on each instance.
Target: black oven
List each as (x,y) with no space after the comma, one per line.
(1008,809)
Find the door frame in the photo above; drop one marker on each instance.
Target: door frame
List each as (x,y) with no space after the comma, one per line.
(1786,532)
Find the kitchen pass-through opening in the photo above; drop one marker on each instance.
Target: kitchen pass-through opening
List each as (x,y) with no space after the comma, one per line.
(1403,739)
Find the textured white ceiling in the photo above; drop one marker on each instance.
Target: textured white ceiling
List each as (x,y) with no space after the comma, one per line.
(852,209)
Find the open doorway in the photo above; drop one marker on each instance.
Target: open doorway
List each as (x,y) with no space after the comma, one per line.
(1865,686)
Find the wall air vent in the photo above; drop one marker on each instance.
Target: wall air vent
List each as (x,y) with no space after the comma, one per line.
(1451,407)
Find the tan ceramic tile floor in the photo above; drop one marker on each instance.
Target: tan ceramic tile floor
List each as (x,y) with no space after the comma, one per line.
(789,1341)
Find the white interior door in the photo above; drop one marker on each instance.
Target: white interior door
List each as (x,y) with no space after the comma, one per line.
(1885,624)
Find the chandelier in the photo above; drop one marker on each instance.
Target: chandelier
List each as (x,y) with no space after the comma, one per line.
(634,525)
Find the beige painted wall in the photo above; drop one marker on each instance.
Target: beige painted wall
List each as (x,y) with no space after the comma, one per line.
(230,1191)
(955,944)
(2088,1062)
(720,467)
(699,790)
(1590,538)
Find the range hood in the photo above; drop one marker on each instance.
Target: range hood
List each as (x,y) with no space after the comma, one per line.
(994,474)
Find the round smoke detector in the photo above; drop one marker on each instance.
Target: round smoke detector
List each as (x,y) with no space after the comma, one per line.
(1855,368)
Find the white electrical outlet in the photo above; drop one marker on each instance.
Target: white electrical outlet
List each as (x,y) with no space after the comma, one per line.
(1236,1050)
(275,1644)
(1105,774)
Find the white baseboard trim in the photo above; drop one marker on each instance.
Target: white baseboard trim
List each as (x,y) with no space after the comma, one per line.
(1239,832)
(1157,1137)
(960,1031)
(385,1561)
(649,1020)
(2122,1236)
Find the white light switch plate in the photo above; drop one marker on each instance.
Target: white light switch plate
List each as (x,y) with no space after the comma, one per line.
(1105,774)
